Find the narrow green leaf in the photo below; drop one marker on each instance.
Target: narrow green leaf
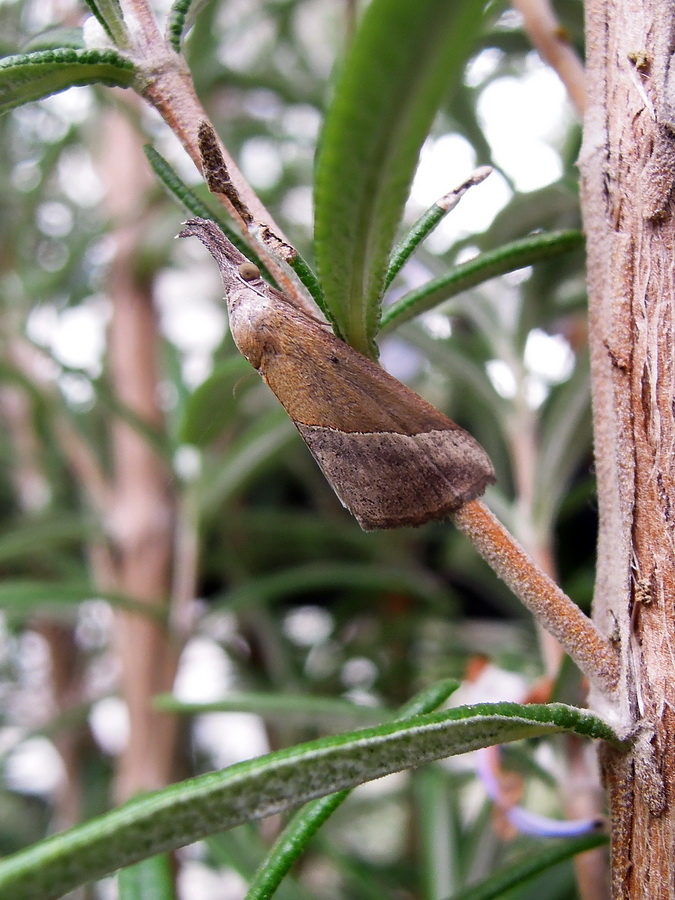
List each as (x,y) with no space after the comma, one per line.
(305,708)
(109,15)
(212,405)
(147,880)
(241,849)
(32,76)
(438,831)
(316,576)
(529,865)
(73,719)
(487,265)
(402,62)
(26,540)
(177,189)
(186,197)
(98,15)
(189,200)
(177,23)
(462,368)
(25,597)
(427,222)
(193,205)
(256,448)
(300,530)
(152,434)
(306,822)
(14,375)
(308,278)
(257,788)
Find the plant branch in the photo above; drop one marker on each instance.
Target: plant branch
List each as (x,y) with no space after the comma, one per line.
(165,82)
(139,13)
(594,655)
(142,516)
(554,47)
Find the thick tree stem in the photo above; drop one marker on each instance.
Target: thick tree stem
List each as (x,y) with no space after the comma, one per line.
(628,172)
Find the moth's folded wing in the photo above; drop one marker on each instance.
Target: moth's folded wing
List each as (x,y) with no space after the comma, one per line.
(389,480)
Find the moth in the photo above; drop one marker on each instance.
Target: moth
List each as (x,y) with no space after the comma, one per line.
(392,458)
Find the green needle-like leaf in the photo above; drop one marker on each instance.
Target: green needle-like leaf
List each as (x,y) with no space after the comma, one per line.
(25,542)
(177,188)
(98,15)
(487,265)
(147,880)
(423,227)
(527,867)
(326,711)
(186,197)
(32,76)
(565,438)
(110,16)
(57,38)
(212,405)
(403,61)
(250,452)
(177,22)
(303,826)
(308,278)
(311,577)
(257,788)
(24,597)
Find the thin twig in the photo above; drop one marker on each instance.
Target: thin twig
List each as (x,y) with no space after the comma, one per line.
(554,47)
(140,16)
(594,655)
(167,86)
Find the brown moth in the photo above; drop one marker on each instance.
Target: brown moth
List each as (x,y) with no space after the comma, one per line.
(391,457)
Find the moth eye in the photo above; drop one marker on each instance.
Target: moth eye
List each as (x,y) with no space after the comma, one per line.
(248,271)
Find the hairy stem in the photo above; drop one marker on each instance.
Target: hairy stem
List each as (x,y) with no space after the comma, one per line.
(594,655)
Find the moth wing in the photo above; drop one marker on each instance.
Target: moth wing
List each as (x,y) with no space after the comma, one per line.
(390,480)
(321,380)
(392,458)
